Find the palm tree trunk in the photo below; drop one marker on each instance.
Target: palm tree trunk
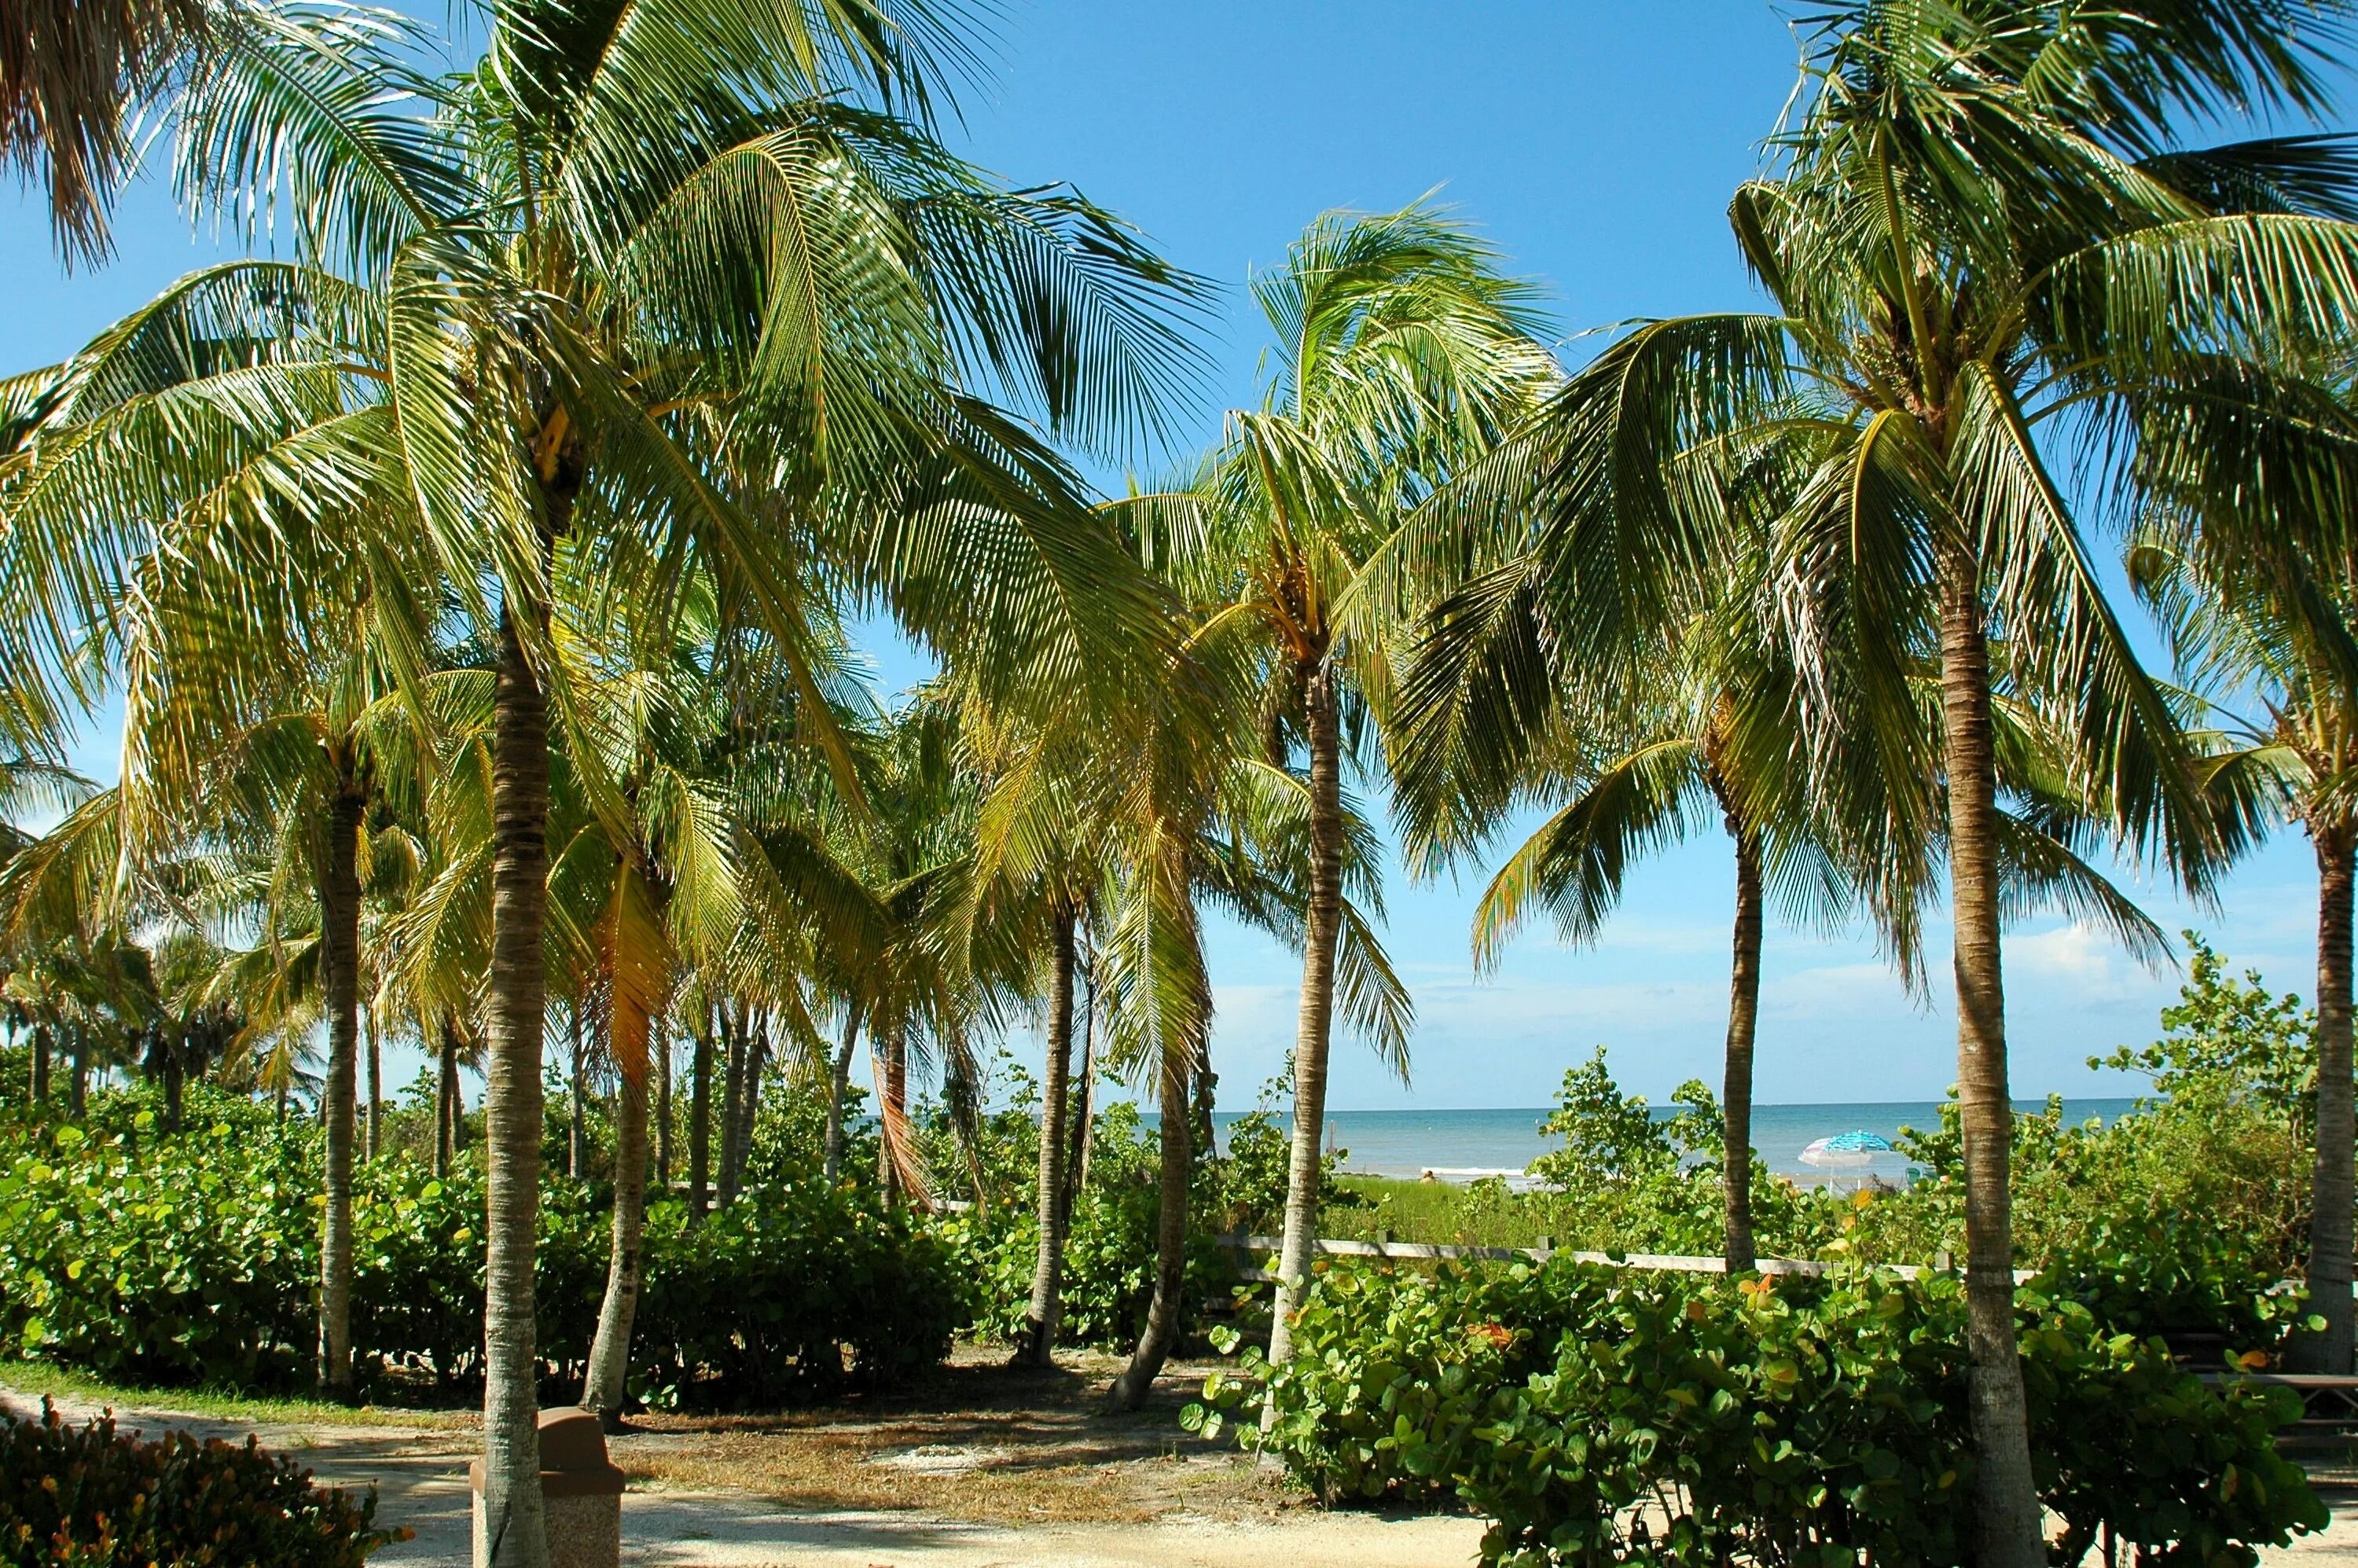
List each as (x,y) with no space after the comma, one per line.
(2008,1516)
(374,1126)
(446,1102)
(663,1104)
(892,1111)
(1037,1341)
(514,1004)
(699,1123)
(340,949)
(1314,1029)
(41,1066)
(749,1116)
(77,1080)
(2329,1239)
(174,1075)
(609,1353)
(1137,1379)
(838,1089)
(1743,1017)
(733,1106)
(1084,1109)
(577,1120)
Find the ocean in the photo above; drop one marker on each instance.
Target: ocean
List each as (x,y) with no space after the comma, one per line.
(1464,1145)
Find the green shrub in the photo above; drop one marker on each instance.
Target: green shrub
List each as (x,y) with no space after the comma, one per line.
(790,1293)
(146,1261)
(417,1268)
(1393,1373)
(2123,1437)
(1775,1420)
(92,1498)
(1109,1275)
(2145,1276)
(1776,1428)
(192,1258)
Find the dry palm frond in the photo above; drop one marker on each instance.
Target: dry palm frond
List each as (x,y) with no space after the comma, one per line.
(69,71)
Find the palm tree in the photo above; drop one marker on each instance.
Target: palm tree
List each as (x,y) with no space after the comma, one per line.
(300,781)
(1205,819)
(2241,628)
(1400,352)
(1711,735)
(1975,228)
(1716,726)
(1040,865)
(704,860)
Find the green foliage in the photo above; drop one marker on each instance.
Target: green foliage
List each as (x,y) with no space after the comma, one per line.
(793,1294)
(149,1259)
(2227,1138)
(996,1159)
(1392,1374)
(1254,1169)
(1609,1137)
(2124,1438)
(1775,1420)
(1625,1180)
(1108,1278)
(2230,1043)
(2146,1275)
(92,1498)
(790,1133)
(1123,1154)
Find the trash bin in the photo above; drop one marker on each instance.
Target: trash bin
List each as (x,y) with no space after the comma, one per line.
(580,1490)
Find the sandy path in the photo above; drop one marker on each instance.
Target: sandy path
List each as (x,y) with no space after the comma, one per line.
(420,1474)
(421,1481)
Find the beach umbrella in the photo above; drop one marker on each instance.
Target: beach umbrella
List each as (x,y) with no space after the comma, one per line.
(1846,1149)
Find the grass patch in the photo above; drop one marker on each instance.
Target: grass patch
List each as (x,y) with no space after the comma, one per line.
(34,1380)
(1484,1214)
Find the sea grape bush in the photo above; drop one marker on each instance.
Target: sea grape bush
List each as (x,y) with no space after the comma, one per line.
(1392,1374)
(192,1258)
(1108,1273)
(1109,1266)
(791,1294)
(1596,1414)
(90,1496)
(2189,1282)
(2123,1438)
(1767,1427)
(153,1265)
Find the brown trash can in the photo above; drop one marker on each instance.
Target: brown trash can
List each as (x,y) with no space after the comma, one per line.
(580,1490)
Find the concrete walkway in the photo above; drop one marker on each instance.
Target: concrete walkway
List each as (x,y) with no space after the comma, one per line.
(420,1474)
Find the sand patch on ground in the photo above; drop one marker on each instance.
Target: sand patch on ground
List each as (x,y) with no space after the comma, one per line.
(978,1467)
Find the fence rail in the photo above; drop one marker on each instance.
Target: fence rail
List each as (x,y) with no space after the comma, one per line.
(1428,1252)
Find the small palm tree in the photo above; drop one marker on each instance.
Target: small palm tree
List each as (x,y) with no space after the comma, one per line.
(1400,351)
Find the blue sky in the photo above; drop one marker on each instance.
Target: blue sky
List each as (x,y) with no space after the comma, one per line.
(1596,145)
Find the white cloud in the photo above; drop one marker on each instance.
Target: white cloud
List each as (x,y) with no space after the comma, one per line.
(2090,962)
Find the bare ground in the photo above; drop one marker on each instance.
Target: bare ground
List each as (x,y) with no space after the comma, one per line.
(978,1467)
(978,1464)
